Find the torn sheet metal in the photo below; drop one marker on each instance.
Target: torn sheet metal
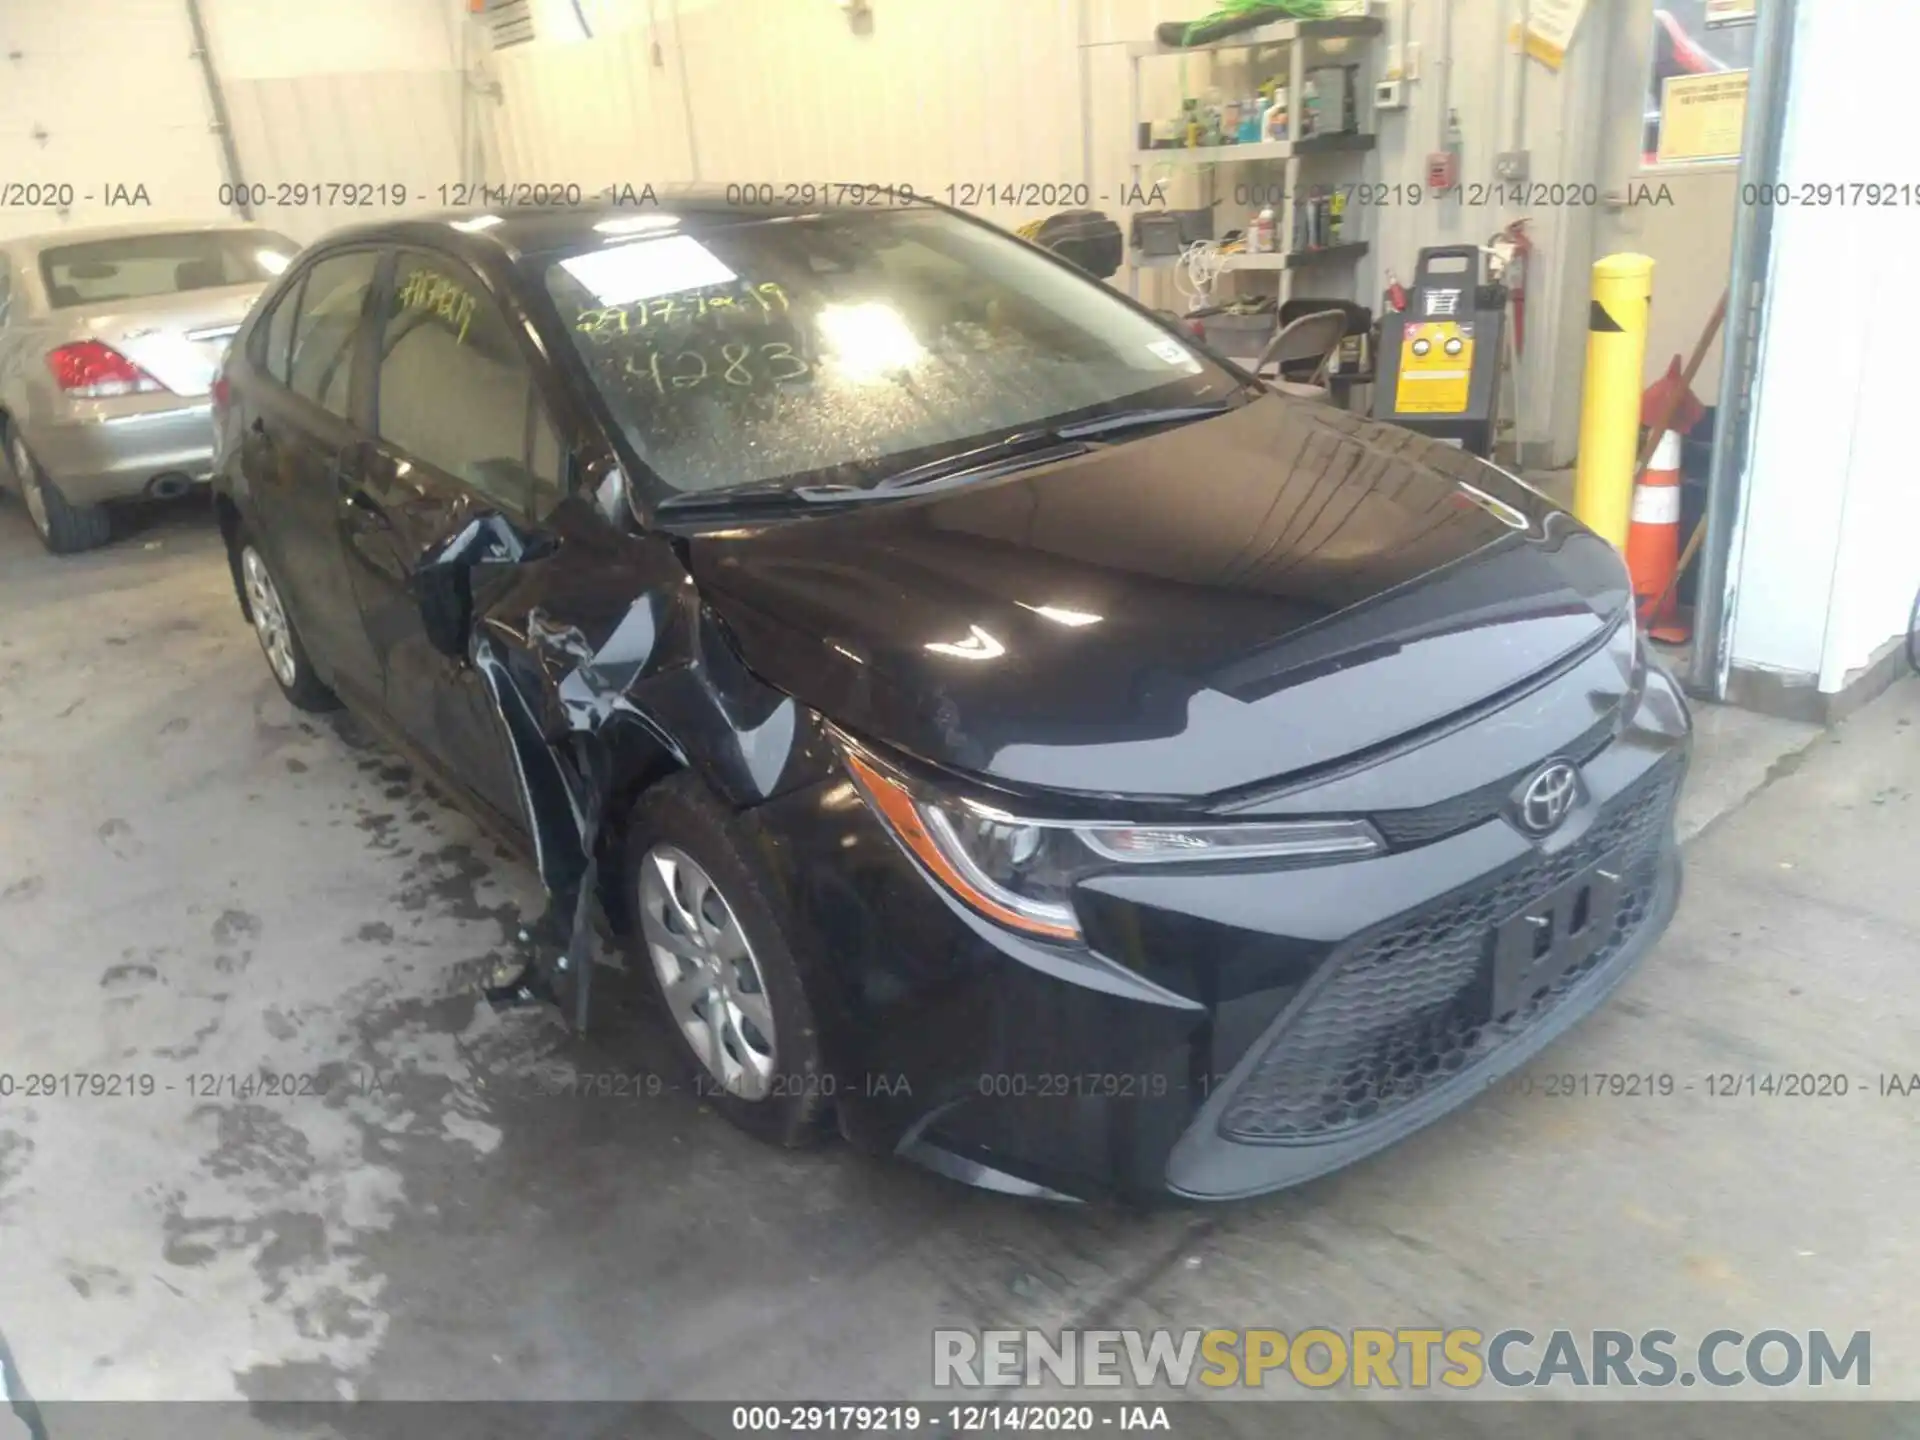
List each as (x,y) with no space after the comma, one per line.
(663,681)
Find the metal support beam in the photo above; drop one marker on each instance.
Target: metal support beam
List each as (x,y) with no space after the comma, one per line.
(217,98)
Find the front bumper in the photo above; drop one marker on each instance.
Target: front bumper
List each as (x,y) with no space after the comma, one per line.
(113,449)
(1224,1033)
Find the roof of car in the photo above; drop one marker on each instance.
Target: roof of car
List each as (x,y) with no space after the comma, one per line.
(533,229)
(83,234)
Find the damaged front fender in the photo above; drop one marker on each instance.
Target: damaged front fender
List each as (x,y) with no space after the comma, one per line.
(605,671)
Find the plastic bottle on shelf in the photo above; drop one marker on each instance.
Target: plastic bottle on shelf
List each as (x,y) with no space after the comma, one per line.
(1251,111)
(1310,109)
(1274,126)
(1264,232)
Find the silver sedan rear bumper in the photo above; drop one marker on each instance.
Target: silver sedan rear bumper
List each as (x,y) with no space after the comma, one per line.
(117,454)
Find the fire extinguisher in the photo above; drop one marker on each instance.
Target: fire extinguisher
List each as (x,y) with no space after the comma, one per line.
(1515,236)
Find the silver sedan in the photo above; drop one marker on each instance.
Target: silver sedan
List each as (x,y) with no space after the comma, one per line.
(110,340)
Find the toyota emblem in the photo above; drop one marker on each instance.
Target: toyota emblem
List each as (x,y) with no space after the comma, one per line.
(1548,796)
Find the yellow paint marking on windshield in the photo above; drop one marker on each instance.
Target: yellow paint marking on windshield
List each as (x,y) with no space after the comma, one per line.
(665,310)
(735,363)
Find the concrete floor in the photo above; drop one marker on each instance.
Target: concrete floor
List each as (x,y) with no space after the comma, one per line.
(196,883)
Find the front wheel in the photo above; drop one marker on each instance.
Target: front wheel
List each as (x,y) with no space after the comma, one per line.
(1913,635)
(64,528)
(712,938)
(279,642)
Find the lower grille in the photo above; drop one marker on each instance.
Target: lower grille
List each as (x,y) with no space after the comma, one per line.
(1410,1007)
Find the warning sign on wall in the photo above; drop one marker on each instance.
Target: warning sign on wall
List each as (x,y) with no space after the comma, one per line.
(1436,366)
(1702,116)
(1550,28)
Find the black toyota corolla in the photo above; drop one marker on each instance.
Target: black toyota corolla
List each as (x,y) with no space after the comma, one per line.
(991,723)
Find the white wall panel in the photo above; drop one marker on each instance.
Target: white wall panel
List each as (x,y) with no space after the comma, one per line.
(361,90)
(333,132)
(933,94)
(355,92)
(281,39)
(1825,552)
(114,94)
(592,114)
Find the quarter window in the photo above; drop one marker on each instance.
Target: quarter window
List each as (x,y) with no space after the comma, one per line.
(455,390)
(331,304)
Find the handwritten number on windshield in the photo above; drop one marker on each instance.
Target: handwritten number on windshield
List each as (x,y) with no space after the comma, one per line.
(736,364)
(768,296)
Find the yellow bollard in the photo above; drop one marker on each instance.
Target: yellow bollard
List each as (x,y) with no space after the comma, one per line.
(1610,400)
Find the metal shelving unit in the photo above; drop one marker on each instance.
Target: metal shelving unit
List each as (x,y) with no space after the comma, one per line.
(1299,38)
(1346,250)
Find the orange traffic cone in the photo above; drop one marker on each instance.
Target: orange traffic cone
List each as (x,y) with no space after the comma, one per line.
(1653,543)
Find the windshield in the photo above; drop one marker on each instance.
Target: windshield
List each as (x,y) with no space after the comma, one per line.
(134,267)
(847,346)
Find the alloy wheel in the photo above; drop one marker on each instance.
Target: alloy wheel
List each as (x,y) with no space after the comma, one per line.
(269,617)
(29,478)
(712,983)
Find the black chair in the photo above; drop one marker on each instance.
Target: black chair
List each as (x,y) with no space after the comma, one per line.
(1312,338)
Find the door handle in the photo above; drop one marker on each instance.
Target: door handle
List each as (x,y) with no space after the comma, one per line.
(353,495)
(353,498)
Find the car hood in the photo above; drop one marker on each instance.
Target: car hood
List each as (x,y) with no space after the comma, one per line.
(1178,616)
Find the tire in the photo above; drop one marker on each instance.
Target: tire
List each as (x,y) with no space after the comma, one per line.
(776,1086)
(273,627)
(64,528)
(1913,635)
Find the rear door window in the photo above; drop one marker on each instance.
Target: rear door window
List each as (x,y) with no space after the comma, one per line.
(276,333)
(456,391)
(320,364)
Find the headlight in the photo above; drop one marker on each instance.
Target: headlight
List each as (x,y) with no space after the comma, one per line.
(1020,872)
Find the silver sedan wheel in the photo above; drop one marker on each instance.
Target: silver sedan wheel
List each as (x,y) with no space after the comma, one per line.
(712,983)
(29,479)
(269,617)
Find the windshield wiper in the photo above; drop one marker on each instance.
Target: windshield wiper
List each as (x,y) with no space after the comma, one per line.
(1136,419)
(1019,450)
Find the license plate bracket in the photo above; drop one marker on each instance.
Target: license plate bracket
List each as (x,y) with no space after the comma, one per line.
(1554,934)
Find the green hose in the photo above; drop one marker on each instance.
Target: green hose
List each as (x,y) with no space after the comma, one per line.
(1281,9)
